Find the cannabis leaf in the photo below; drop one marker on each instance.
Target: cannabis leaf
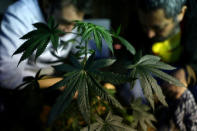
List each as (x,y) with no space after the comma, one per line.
(38,39)
(123,41)
(31,82)
(145,70)
(90,31)
(118,30)
(81,78)
(95,32)
(128,45)
(111,123)
(142,118)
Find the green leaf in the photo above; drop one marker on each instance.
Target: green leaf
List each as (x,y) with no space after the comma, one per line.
(100,91)
(170,79)
(147,67)
(128,46)
(142,117)
(41,26)
(146,86)
(107,37)
(64,99)
(42,46)
(33,44)
(51,23)
(64,68)
(87,34)
(111,123)
(64,44)
(31,82)
(83,99)
(87,29)
(59,32)
(130,66)
(29,51)
(64,81)
(156,88)
(118,30)
(111,77)
(62,103)
(32,34)
(161,65)
(98,40)
(38,74)
(38,39)
(54,39)
(101,63)
(24,46)
(149,59)
(133,77)
(28,78)
(90,61)
(24,85)
(145,61)
(75,62)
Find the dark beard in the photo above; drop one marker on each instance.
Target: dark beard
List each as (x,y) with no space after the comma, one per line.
(174,31)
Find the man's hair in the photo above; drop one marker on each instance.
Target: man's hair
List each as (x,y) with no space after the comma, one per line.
(171,7)
(80,5)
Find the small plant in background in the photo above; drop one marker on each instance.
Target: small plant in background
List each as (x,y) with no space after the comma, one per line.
(85,75)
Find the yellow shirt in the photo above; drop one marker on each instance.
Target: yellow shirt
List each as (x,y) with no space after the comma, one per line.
(169,50)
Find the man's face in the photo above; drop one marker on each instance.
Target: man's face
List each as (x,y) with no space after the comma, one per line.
(157,26)
(66,16)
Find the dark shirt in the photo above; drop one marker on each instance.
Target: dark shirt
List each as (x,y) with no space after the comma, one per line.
(184,112)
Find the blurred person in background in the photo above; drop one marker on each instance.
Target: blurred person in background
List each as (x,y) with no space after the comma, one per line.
(164,32)
(16,22)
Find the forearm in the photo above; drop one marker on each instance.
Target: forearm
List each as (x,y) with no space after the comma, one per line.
(45,83)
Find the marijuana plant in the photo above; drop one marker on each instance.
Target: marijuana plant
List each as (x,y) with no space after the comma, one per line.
(142,118)
(111,123)
(85,75)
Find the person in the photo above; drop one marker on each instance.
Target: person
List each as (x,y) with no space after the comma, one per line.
(18,20)
(181,112)
(164,27)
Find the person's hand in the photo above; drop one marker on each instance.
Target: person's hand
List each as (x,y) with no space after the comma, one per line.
(180,75)
(173,91)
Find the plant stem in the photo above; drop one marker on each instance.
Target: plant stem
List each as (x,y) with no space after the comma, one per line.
(86,52)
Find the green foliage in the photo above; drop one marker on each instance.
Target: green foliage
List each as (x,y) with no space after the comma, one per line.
(145,69)
(141,116)
(38,39)
(31,82)
(123,41)
(90,31)
(118,30)
(69,120)
(111,123)
(81,78)
(84,78)
(128,46)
